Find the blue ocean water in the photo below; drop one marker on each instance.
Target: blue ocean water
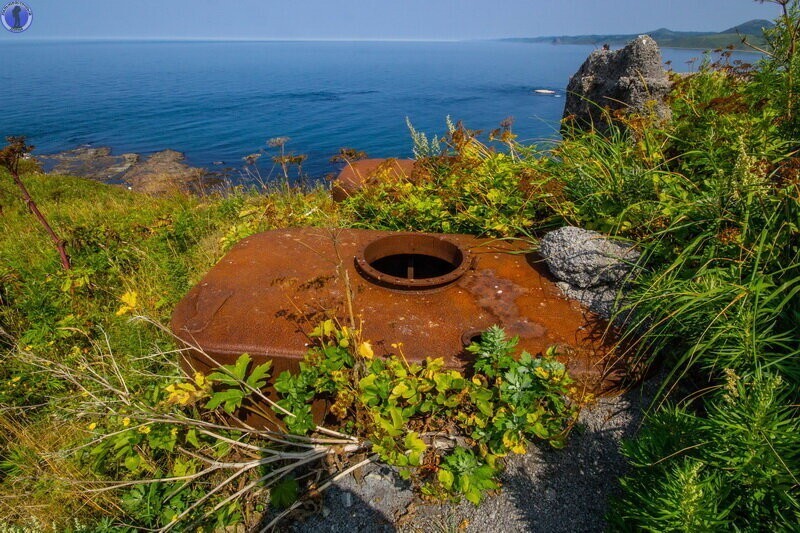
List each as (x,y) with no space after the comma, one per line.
(219,101)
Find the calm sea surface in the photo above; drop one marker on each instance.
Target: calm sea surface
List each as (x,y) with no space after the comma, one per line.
(219,101)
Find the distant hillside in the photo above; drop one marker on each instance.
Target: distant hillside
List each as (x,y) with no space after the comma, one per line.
(751,27)
(670,39)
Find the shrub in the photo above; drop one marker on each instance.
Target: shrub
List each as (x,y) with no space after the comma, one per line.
(468,187)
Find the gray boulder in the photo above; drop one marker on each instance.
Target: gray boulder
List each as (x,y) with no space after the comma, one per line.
(601,300)
(632,78)
(591,268)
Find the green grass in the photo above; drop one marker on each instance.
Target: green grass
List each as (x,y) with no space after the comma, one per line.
(120,242)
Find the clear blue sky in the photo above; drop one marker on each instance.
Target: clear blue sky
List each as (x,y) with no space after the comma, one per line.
(375,19)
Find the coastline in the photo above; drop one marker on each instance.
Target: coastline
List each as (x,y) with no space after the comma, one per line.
(619,43)
(156,173)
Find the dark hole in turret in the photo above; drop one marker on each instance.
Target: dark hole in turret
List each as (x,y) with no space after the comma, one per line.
(413,266)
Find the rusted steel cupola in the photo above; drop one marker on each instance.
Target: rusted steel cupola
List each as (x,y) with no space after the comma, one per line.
(432,293)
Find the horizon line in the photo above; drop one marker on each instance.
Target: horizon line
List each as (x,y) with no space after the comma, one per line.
(228,39)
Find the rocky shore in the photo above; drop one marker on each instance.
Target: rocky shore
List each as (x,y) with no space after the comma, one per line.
(156,174)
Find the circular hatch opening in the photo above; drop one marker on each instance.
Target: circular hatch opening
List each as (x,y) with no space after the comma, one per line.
(412,262)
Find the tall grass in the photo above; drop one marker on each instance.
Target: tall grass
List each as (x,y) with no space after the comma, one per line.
(714,204)
(150,249)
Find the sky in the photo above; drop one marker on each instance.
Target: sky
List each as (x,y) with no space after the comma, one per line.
(374,19)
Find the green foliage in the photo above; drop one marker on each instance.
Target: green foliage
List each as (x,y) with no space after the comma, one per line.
(777,81)
(174,453)
(400,407)
(464,472)
(235,383)
(612,182)
(279,208)
(728,469)
(284,493)
(424,148)
(718,304)
(178,456)
(116,239)
(149,441)
(468,188)
(131,254)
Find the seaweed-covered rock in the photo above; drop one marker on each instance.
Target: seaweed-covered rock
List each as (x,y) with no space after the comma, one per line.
(163,173)
(157,174)
(95,163)
(632,78)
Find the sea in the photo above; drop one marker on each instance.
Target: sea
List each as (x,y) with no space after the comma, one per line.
(220,101)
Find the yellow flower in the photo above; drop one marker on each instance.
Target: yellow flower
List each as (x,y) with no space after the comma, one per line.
(541,372)
(175,395)
(200,379)
(144,429)
(126,421)
(365,350)
(128,303)
(15,379)
(513,442)
(92,426)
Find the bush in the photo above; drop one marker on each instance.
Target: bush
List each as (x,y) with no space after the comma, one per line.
(466,188)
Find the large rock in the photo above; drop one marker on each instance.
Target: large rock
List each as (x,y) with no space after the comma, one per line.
(90,162)
(591,268)
(160,173)
(163,173)
(632,78)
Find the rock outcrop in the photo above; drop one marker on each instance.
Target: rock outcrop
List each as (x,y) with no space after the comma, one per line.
(89,162)
(157,174)
(590,268)
(162,173)
(632,79)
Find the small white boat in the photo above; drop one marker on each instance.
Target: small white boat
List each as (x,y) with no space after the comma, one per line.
(544,91)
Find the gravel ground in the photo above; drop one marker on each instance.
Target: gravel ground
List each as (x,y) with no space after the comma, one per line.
(544,490)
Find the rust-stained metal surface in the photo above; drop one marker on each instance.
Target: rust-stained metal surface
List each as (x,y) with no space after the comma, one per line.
(273,288)
(358,174)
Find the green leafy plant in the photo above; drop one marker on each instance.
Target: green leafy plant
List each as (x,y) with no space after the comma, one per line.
(410,412)
(460,186)
(727,469)
(175,453)
(237,383)
(464,472)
